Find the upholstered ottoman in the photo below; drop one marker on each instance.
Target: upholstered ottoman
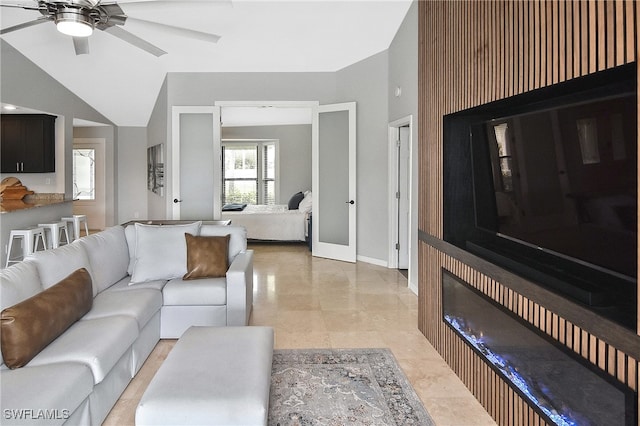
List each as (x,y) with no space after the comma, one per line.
(212,376)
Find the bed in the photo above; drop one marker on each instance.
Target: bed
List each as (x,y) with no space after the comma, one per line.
(271,222)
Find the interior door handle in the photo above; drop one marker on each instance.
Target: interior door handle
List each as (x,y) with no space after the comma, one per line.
(176,201)
(350,202)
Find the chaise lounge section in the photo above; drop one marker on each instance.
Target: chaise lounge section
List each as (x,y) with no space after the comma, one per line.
(123,289)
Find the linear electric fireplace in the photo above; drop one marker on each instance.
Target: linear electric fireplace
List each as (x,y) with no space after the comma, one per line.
(561,387)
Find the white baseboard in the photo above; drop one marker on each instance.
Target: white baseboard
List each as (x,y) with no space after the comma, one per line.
(372,261)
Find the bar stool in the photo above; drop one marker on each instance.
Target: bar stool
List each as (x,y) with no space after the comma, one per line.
(75,220)
(57,231)
(29,238)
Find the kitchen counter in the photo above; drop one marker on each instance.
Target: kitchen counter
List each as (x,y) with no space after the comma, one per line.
(11,206)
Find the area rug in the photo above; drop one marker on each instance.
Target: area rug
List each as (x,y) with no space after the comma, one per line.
(342,387)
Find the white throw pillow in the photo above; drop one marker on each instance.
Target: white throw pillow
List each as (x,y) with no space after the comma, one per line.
(306,203)
(161,251)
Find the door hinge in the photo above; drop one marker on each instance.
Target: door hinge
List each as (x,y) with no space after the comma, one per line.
(398,195)
(398,143)
(397,246)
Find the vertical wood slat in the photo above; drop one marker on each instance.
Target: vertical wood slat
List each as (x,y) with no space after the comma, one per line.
(476,52)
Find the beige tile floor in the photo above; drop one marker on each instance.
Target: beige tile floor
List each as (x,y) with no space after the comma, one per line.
(319,303)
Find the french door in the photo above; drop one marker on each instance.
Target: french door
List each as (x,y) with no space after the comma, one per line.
(334,181)
(333,172)
(196,163)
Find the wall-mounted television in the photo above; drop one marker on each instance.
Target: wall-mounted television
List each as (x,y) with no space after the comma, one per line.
(545,184)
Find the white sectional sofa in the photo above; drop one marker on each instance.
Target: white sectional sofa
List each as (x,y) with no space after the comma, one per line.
(134,299)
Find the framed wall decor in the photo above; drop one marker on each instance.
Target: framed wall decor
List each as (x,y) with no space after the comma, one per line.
(155,169)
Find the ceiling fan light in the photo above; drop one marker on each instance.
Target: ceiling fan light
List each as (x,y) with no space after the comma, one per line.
(74,23)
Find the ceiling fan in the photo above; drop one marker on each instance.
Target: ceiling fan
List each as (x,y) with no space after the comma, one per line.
(78,19)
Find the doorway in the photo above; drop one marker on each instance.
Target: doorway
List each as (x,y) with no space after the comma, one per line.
(401,194)
(211,140)
(89,180)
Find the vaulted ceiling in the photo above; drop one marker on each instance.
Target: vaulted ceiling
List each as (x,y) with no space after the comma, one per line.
(122,81)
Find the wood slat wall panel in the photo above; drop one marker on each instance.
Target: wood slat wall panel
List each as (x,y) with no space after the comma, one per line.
(472,53)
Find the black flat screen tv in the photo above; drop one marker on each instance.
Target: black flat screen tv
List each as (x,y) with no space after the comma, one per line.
(545,184)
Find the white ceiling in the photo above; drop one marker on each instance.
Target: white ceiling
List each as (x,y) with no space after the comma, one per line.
(122,82)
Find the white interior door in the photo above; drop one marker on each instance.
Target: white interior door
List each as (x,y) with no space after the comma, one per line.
(196,167)
(89,180)
(334,181)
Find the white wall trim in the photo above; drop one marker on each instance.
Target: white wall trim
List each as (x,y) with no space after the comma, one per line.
(371,260)
(281,104)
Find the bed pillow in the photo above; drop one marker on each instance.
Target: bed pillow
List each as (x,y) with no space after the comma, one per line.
(294,202)
(306,203)
(233,207)
(207,257)
(161,251)
(29,326)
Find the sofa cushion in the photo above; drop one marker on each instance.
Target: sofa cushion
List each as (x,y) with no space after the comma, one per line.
(205,291)
(98,343)
(54,265)
(108,255)
(29,326)
(19,282)
(141,304)
(207,257)
(161,251)
(237,237)
(60,388)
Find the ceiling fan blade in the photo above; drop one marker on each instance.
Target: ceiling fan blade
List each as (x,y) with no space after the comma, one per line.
(81,45)
(160,3)
(27,6)
(125,35)
(27,24)
(180,31)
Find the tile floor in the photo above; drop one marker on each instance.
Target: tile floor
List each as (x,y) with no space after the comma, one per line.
(320,303)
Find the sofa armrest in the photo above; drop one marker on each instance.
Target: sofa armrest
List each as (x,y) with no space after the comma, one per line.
(240,289)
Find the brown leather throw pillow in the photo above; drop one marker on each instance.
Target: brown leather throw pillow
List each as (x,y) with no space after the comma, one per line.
(207,257)
(29,326)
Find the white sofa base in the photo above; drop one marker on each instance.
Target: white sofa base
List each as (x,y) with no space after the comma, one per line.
(106,393)
(143,346)
(177,319)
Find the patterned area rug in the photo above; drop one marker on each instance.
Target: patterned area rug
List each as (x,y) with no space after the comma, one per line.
(342,387)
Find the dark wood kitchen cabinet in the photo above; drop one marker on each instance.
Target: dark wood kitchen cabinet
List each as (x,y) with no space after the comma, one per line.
(27,143)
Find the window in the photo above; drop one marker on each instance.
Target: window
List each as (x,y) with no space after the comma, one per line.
(249,172)
(84,174)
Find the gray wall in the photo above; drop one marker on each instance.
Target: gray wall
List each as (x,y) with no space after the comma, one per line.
(204,89)
(403,73)
(366,83)
(370,83)
(131,175)
(294,153)
(403,69)
(159,132)
(25,85)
